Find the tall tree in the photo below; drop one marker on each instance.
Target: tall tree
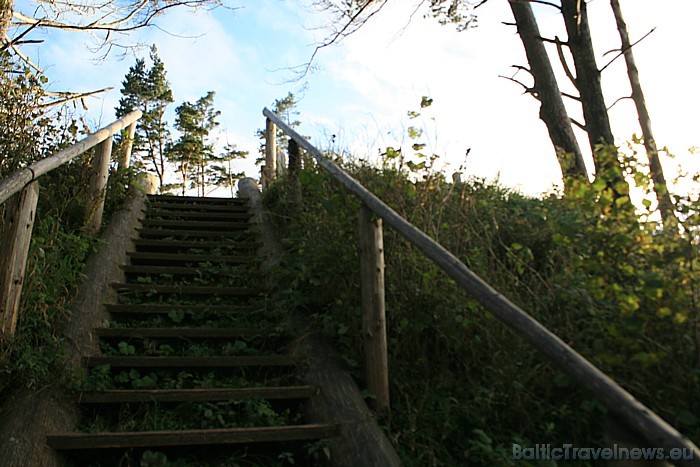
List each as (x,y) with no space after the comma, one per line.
(221,169)
(595,111)
(193,151)
(149,91)
(666,207)
(546,90)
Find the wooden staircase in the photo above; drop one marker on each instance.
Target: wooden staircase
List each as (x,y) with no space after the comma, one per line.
(195,369)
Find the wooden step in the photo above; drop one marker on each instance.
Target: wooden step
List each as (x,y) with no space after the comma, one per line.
(123,396)
(173,270)
(195,225)
(195,258)
(152,309)
(69,441)
(194,362)
(184,333)
(197,199)
(197,207)
(186,289)
(234,216)
(205,245)
(194,233)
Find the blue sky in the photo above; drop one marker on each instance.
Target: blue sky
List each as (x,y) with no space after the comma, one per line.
(364,86)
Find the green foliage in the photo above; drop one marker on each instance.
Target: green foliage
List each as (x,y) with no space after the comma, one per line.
(149,91)
(192,151)
(623,292)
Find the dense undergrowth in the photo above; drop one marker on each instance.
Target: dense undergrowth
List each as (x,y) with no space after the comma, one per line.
(464,389)
(33,357)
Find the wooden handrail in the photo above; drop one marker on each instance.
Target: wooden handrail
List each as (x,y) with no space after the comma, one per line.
(636,415)
(15,182)
(21,211)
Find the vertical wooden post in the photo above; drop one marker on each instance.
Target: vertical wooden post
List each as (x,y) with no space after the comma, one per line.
(98,184)
(270,151)
(21,212)
(373,308)
(293,176)
(125,157)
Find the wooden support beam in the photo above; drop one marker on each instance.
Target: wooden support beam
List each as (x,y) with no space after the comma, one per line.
(125,156)
(373,308)
(21,212)
(270,153)
(98,185)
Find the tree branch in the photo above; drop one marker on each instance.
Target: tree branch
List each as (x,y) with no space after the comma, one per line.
(69,97)
(526,89)
(571,96)
(564,63)
(622,52)
(618,100)
(578,124)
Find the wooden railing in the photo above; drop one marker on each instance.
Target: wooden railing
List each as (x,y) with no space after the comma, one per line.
(21,210)
(634,414)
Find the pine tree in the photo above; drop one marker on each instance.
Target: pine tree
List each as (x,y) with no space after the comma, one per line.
(220,171)
(149,91)
(192,151)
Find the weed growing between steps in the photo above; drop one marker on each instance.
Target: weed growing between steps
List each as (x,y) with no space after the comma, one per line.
(213,312)
(464,388)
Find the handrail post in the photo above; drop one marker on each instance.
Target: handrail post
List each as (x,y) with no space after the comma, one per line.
(98,185)
(21,212)
(125,156)
(270,152)
(373,308)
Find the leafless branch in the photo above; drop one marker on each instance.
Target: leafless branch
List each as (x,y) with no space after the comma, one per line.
(618,100)
(65,97)
(354,22)
(578,124)
(571,96)
(543,2)
(564,63)
(17,40)
(622,52)
(526,89)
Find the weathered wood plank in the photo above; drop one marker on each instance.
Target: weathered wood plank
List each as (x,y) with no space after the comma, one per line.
(188,309)
(122,396)
(185,333)
(69,441)
(270,153)
(193,362)
(190,257)
(187,289)
(194,233)
(373,308)
(16,237)
(98,185)
(194,225)
(197,199)
(176,244)
(638,416)
(125,155)
(218,215)
(198,207)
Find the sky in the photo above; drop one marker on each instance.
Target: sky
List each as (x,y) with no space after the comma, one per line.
(361,89)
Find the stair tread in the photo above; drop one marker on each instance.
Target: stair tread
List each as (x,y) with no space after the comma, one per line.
(146,232)
(193,362)
(197,199)
(194,223)
(66,441)
(194,244)
(198,207)
(150,213)
(190,257)
(119,396)
(166,308)
(182,332)
(186,289)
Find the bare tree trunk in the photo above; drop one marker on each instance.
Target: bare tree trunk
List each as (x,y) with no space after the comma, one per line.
(595,112)
(546,90)
(657,172)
